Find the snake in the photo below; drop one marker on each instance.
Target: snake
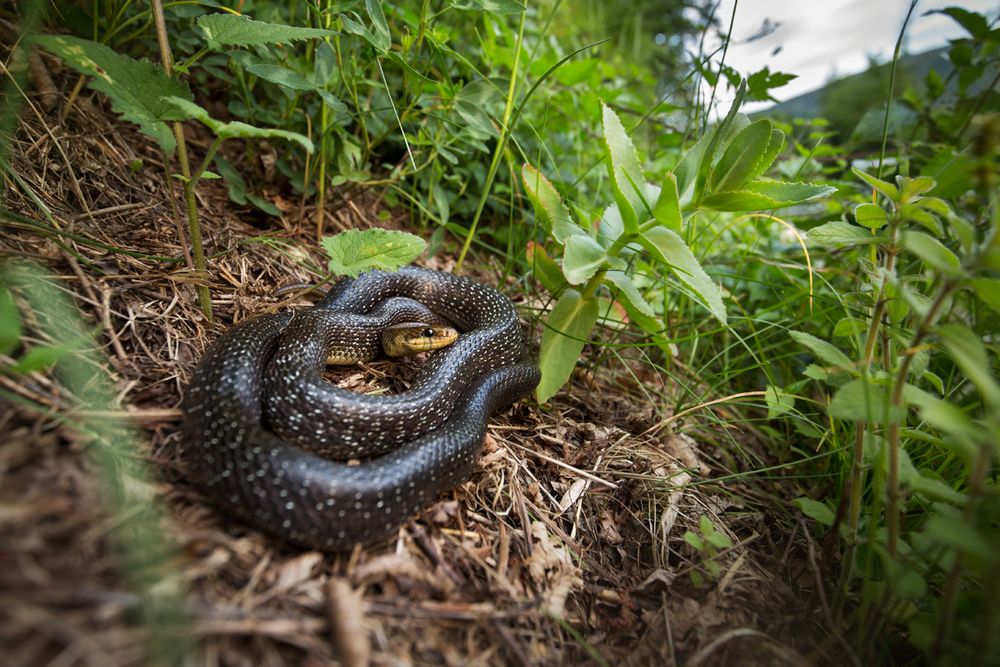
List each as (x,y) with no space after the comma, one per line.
(235,457)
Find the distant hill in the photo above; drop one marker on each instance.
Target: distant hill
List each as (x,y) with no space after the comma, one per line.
(808,105)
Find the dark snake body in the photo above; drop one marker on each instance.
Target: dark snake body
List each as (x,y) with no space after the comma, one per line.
(296,495)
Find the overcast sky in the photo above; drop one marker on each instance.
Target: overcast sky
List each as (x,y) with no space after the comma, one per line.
(818,38)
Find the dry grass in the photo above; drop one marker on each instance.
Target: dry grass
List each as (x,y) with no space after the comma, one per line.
(566,545)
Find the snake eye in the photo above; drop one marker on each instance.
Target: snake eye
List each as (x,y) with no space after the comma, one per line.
(429,333)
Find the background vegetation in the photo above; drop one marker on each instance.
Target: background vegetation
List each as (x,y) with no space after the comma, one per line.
(840,278)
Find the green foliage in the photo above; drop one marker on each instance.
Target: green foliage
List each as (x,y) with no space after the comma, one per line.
(708,542)
(136,88)
(221,30)
(356,251)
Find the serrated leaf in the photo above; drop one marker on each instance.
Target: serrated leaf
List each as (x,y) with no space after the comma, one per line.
(627,180)
(235,129)
(668,248)
(827,352)
(566,331)
(356,251)
(886,188)
(815,510)
(872,216)
(933,253)
(838,233)
(765,194)
(582,258)
(136,88)
(667,209)
(631,293)
(745,151)
(221,30)
(548,205)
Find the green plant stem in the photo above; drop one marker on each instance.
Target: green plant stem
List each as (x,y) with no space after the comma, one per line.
(194,226)
(591,287)
(892,481)
(505,131)
(892,83)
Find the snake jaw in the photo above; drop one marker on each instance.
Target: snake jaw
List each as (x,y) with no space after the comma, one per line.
(411,338)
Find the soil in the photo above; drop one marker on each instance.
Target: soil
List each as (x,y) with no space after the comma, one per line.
(566,546)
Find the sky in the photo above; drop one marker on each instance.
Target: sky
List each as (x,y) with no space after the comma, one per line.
(821,37)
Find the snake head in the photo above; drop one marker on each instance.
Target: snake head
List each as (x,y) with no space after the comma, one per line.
(408,338)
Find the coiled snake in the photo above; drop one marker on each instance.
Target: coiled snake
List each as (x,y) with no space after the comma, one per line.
(280,483)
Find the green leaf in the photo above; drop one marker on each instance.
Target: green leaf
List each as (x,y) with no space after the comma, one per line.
(860,400)
(988,291)
(41,357)
(886,188)
(815,510)
(548,205)
(380,27)
(872,216)
(778,402)
(968,351)
(739,163)
(566,330)
(631,293)
(932,252)
(840,233)
(627,180)
(766,194)
(10,322)
(544,268)
(667,209)
(235,129)
(221,30)
(958,534)
(668,248)
(282,76)
(825,351)
(355,251)
(376,37)
(491,6)
(693,540)
(582,259)
(951,420)
(136,88)
(926,219)
(974,23)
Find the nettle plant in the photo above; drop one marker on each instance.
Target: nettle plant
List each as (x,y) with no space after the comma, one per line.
(647,230)
(921,402)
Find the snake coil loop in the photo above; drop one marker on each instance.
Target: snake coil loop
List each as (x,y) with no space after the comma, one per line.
(262,377)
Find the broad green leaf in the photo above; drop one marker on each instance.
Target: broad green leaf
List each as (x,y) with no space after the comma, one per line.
(926,219)
(825,351)
(544,268)
(739,163)
(968,351)
(667,209)
(815,510)
(733,122)
(871,216)
(886,188)
(10,322)
(356,251)
(953,422)
(380,28)
(627,180)
(957,533)
(849,326)
(582,259)
(491,6)
(860,400)
(914,187)
(839,232)
(932,252)
(566,331)
(988,291)
(631,293)
(974,23)
(778,402)
(765,194)
(668,248)
(282,76)
(548,205)
(136,88)
(355,26)
(687,168)
(478,103)
(221,30)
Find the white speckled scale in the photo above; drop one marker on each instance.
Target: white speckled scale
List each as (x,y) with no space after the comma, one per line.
(301,497)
